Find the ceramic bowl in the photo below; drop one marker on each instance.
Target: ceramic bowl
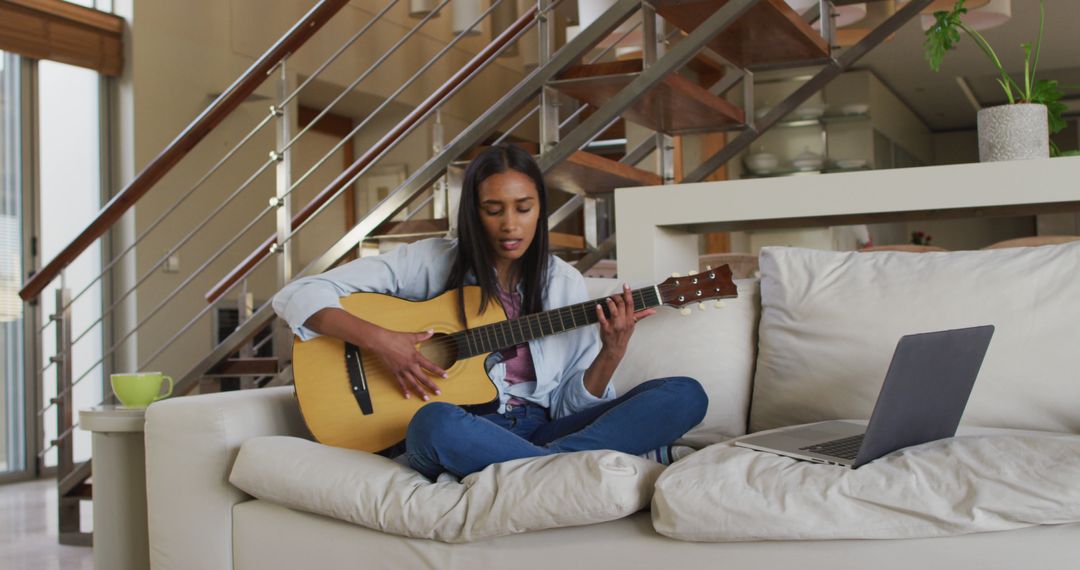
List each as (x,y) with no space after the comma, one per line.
(807,160)
(851,163)
(762,162)
(854,109)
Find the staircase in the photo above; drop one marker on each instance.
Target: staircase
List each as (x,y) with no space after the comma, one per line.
(693,54)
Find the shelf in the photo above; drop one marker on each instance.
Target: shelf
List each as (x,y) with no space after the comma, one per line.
(798,172)
(664,229)
(823,120)
(673,105)
(770,33)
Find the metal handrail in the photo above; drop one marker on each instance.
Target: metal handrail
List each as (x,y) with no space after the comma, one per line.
(348,89)
(421,113)
(514,99)
(333,57)
(486,56)
(165,214)
(371,116)
(259,171)
(363,163)
(161,305)
(232,152)
(515,126)
(202,126)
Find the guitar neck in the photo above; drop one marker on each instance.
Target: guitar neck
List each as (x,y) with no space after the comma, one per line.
(498,336)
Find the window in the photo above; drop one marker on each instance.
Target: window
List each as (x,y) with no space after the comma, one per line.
(69,157)
(12,417)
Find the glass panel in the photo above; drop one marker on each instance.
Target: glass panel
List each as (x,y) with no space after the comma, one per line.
(69,158)
(12,451)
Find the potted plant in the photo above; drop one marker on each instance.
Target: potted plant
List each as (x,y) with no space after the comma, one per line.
(1022,128)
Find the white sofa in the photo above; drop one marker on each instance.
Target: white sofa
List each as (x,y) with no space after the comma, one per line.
(824,321)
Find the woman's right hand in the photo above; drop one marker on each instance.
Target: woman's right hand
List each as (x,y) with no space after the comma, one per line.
(410,368)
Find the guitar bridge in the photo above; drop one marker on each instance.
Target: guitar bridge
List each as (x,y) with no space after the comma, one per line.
(357,379)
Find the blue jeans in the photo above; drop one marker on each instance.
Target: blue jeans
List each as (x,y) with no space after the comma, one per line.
(444,437)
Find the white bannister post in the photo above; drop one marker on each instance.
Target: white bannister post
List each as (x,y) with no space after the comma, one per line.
(439,206)
(282,245)
(68,518)
(549,98)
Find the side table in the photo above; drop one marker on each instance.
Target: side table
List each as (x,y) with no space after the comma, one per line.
(119,486)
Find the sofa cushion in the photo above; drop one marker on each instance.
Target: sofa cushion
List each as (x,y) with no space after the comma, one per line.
(506,498)
(715,346)
(990,480)
(830,322)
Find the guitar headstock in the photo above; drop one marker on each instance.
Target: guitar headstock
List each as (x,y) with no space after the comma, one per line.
(709,284)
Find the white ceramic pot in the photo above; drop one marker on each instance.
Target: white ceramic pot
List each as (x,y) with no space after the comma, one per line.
(1013,132)
(762,162)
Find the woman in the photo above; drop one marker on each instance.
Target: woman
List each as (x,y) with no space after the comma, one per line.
(554,393)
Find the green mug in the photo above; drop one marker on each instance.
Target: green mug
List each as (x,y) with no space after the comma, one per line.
(139,389)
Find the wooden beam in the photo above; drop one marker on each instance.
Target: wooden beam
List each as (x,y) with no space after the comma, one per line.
(712,143)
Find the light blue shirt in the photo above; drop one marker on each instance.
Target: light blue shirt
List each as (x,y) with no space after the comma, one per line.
(417,272)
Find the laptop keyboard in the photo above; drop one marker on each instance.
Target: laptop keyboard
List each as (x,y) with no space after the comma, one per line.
(844,448)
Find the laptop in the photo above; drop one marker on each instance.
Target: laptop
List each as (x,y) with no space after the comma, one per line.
(923,396)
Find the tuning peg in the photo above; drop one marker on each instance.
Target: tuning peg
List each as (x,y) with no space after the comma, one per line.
(684,311)
(708,268)
(676,275)
(691,272)
(720,304)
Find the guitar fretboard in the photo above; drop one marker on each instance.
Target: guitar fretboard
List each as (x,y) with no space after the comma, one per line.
(497,336)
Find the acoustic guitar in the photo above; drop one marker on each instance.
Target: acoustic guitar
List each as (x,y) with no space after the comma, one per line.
(349,399)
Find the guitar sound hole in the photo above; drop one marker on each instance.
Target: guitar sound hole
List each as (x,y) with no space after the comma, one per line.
(441,350)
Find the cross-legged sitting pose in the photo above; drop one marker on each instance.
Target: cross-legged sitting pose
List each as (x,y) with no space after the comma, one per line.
(554,392)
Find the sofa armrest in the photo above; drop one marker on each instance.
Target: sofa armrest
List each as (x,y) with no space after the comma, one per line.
(191,443)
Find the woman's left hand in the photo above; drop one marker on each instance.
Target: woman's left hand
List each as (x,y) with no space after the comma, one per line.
(615,331)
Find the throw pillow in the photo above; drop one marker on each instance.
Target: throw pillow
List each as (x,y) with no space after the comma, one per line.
(715,346)
(506,498)
(989,480)
(830,322)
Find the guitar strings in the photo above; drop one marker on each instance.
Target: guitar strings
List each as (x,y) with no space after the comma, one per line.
(376,364)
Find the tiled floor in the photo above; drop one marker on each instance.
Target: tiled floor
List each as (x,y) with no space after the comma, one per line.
(28,530)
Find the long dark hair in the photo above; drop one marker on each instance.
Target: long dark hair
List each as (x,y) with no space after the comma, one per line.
(474,252)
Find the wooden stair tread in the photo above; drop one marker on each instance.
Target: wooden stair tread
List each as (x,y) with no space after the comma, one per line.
(561,241)
(770,33)
(588,173)
(673,105)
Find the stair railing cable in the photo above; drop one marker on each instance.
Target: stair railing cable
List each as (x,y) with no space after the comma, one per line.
(217,166)
(264,314)
(514,99)
(220,251)
(393,96)
(402,129)
(192,233)
(116,345)
(326,202)
(196,131)
(214,169)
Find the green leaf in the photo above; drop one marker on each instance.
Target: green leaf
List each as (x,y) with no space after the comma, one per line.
(943,35)
(1047,92)
(1027,70)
